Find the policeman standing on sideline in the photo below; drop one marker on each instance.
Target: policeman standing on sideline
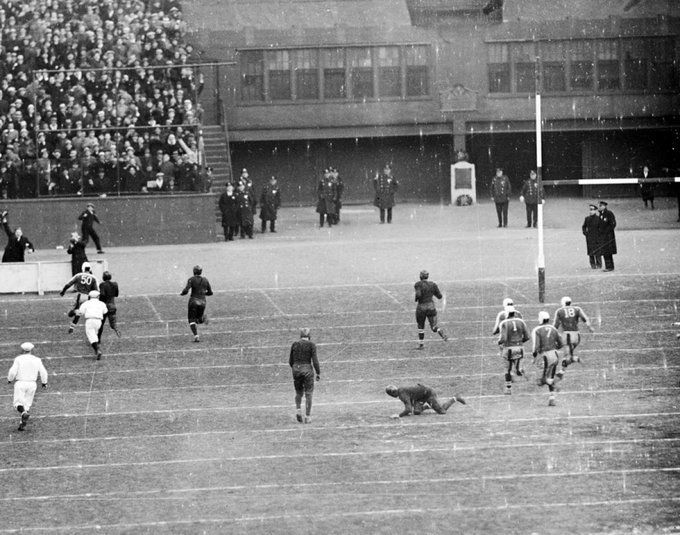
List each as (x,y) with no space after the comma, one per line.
(270,200)
(607,236)
(385,186)
(500,195)
(530,196)
(326,198)
(591,230)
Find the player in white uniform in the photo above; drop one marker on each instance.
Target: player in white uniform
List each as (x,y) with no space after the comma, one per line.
(546,343)
(24,373)
(507,302)
(84,282)
(93,310)
(567,318)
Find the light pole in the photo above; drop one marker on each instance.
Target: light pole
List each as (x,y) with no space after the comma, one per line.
(539,174)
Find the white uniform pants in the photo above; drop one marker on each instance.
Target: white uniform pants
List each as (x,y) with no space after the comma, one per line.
(23,393)
(92,330)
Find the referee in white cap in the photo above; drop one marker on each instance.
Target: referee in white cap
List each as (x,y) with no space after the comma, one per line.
(24,373)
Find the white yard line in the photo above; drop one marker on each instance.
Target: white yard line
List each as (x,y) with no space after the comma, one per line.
(273,303)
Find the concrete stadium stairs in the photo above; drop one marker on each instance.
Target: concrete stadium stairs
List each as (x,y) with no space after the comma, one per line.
(216,156)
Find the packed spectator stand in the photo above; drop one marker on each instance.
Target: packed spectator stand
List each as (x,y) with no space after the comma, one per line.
(98,97)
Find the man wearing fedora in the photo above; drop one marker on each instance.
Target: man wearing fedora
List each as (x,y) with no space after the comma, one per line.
(607,235)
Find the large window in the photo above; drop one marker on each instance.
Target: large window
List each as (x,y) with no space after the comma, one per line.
(499,68)
(635,63)
(252,77)
(663,75)
(306,68)
(553,67)
(361,72)
(581,64)
(417,71)
(524,59)
(389,71)
(334,84)
(278,67)
(340,73)
(608,76)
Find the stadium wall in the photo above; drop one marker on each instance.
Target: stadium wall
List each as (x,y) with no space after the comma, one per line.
(134,221)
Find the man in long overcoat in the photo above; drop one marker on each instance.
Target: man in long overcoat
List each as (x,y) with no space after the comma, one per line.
(327,197)
(270,200)
(230,217)
(17,243)
(591,230)
(607,236)
(385,186)
(245,210)
(500,195)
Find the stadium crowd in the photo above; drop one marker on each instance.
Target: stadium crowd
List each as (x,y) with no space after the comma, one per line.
(97,96)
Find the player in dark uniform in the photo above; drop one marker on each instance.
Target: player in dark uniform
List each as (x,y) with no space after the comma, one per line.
(84,282)
(200,288)
(567,318)
(425,310)
(513,333)
(418,398)
(108,291)
(304,364)
(546,341)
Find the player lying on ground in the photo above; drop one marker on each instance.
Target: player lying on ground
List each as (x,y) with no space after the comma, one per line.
(418,398)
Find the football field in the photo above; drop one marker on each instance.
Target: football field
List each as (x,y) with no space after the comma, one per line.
(168,436)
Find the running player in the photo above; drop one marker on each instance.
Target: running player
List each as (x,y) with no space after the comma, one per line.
(108,291)
(418,398)
(93,310)
(425,310)
(566,319)
(507,302)
(200,288)
(513,334)
(24,372)
(546,342)
(84,282)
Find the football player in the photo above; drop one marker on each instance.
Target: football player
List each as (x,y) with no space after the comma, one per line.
(507,302)
(567,318)
(200,288)
(513,334)
(425,310)
(418,398)
(546,341)
(84,282)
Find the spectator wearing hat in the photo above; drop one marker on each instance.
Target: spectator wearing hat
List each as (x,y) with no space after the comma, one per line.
(270,200)
(17,243)
(24,373)
(88,218)
(305,367)
(339,189)
(591,230)
(93,310)
(607,235)
(647,188)
(385,186)
(500,195)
